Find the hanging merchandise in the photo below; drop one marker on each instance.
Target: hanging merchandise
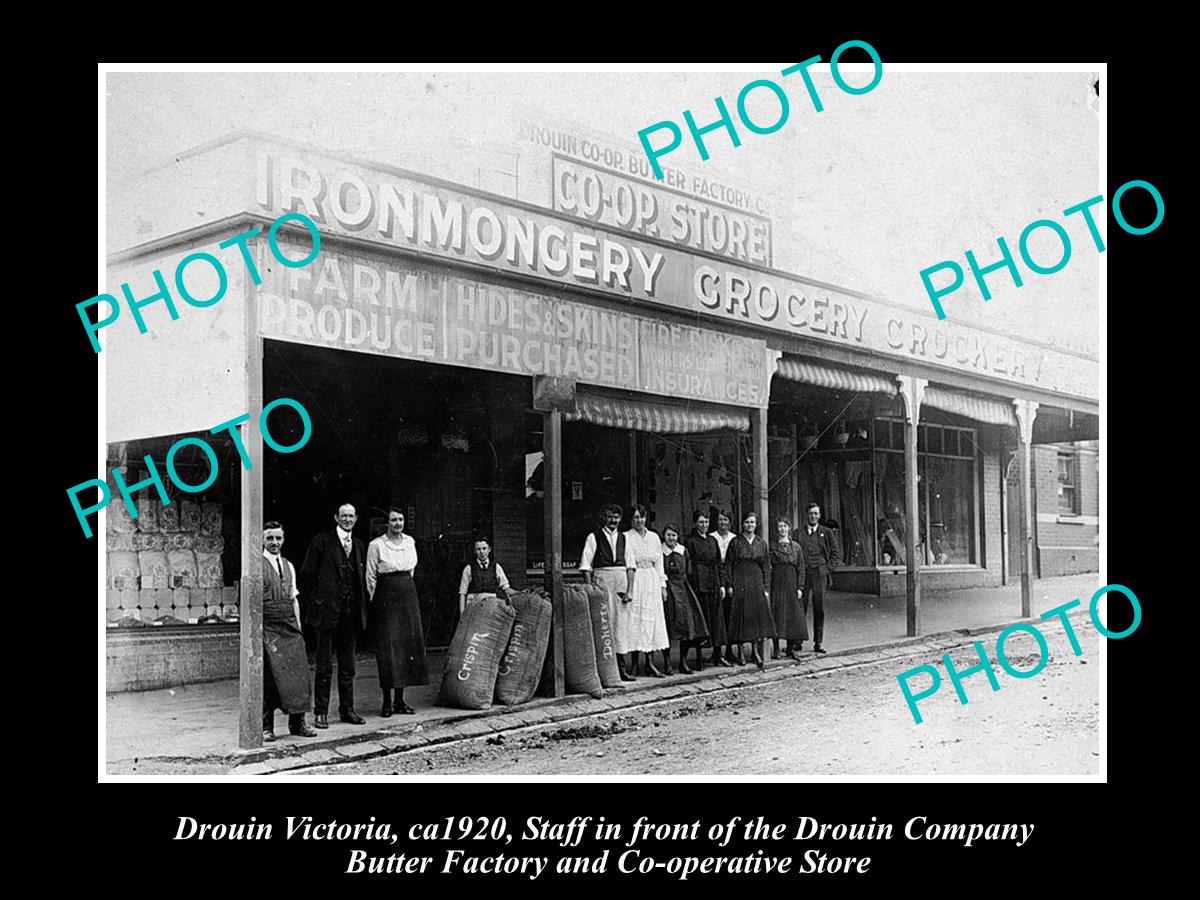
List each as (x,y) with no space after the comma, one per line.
(809,435)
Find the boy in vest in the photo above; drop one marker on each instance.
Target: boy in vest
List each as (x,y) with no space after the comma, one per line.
(482,575)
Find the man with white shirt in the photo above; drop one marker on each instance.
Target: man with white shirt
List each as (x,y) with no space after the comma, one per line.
(285,664)
(603,564)
(333,587)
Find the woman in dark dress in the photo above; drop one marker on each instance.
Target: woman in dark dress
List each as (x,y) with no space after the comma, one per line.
(750,613)
(685,619)
(704,556)
(395,614)
(724,538)
(787,565)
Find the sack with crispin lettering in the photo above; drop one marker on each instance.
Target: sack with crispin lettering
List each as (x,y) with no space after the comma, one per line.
(469,676)
(521,664)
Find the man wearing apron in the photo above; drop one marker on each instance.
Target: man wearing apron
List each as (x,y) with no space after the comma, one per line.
(603,564)
(285,662)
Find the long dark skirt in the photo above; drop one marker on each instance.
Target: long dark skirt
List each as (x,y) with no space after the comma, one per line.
(715,612)
(685,619)
(785,605)
(396,628)
(750,614)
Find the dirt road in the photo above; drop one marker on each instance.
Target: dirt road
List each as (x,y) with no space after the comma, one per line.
(849,721)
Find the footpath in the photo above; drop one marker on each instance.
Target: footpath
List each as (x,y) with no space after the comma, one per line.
(192,729)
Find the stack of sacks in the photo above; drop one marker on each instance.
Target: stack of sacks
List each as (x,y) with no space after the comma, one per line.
(169,558)
(189,516)
(209,545)
(120,530)
(521,665)
(168,518)
(148,541)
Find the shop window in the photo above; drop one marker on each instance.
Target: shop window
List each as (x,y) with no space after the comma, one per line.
(948,497)
(883,434)
(1068,482)
(945,490)
(840,483)
(175,564)
(891,514)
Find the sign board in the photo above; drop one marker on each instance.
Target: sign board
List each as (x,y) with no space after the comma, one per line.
(411,310)
(402,212)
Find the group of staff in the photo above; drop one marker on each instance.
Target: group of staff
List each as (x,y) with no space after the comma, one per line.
(713,588)
(716,589)
(342,585)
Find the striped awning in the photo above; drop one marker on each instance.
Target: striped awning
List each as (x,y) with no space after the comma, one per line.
(821,375)
(657,418)
(990,410)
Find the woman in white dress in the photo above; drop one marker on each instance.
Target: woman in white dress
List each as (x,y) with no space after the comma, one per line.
(641,623)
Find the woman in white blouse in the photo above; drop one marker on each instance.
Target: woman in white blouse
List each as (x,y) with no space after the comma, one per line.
(641,624)
(395,613)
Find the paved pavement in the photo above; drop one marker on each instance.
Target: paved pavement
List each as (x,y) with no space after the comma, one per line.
(193,729)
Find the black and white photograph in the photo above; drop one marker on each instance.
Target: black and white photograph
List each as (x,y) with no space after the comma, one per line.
(546,422)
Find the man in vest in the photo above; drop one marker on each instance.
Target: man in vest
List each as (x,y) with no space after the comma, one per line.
(603,564)
(333,585)
(285,664)
(822,553)
(482,575)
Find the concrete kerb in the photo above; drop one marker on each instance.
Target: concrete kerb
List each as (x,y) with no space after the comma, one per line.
(459,726)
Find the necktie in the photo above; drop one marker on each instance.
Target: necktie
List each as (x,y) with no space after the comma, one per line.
(346,545)
(279,567)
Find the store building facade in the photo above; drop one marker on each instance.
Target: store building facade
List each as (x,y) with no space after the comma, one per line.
(496,365)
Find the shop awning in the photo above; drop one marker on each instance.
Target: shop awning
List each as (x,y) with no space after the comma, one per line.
(993,411)
(826,376)
(657,418)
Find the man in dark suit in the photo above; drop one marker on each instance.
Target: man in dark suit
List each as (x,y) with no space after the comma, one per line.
(822,554)
(334,591)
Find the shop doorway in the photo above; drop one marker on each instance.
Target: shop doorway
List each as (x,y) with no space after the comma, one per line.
(444,444)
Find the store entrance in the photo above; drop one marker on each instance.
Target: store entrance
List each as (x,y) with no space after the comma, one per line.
(444,444)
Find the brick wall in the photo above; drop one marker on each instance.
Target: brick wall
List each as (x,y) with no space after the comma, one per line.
(508,403)
(1066,544)
(146,659)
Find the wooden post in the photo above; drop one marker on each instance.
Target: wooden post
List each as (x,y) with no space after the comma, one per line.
(758,442)
(794,512)
(250,670)
(1006,562)
(912,390)
(1026,411)
(552,485)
